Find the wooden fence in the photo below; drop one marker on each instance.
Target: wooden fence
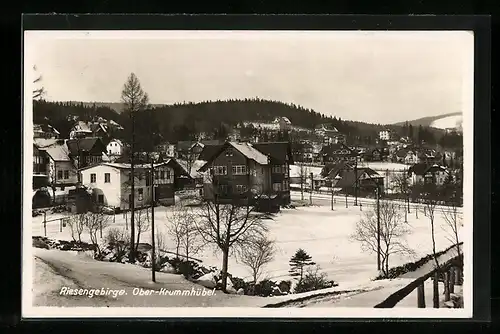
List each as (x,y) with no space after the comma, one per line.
(451,272)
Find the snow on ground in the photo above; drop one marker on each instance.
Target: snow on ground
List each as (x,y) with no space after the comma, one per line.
(454,121)
(80,271)
(323,233)
(295,170)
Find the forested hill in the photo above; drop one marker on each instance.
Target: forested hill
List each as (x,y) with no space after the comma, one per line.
(183,120)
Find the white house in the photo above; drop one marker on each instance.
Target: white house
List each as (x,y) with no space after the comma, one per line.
(384,135)
(114,147)
(110,183)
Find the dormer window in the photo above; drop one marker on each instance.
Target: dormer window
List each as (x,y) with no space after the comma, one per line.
(229,152)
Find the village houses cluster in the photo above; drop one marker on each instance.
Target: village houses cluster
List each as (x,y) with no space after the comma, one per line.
(92,159)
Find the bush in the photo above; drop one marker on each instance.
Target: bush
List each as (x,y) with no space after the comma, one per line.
(314,280)
(285,286)
(39,243)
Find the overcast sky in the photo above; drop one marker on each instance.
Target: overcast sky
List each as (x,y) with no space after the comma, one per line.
(380,77)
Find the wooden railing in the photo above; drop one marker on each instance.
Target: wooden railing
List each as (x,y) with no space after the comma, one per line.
(452,273)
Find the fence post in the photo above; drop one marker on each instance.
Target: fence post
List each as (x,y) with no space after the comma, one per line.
(421,295)
(435,290)
(446,285)
(60,224)
(45,223)
(452,280)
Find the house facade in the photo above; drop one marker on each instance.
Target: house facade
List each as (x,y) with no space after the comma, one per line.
(242,170)
(424,173)
(52,158)
(337,152)
(114,147)
(384,135)
(86,151)
(303,152)
(111,184)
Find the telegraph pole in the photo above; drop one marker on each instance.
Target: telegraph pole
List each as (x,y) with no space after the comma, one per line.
(356,182)
(153,252)
(378,227)
(311,193)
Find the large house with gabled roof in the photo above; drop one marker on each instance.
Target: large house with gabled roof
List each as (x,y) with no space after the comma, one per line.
(244,170)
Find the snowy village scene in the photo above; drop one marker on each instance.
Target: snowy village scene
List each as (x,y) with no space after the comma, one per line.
(271,171)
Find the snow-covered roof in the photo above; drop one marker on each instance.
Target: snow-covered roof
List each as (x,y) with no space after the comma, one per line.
(118,141)
(44,142)
(250,152)
(58,152)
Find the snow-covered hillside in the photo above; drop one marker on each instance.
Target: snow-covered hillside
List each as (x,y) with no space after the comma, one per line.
(454,121)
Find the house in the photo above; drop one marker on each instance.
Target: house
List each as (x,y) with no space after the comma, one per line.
(375,154)
(337,152)
(302,152)
(329,134)
(86,151)
(283,123)
(166,150)
(424,173)
(384,134)
(52,158)
(366,180)
(429,156)
(114,147)
(45,131)
(240,170)
(80,130)
(190,150)
(110,183)
(407,156)
(280,158)
(98,127)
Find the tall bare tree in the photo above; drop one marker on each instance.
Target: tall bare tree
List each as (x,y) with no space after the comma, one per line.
(227,222)
(393,231)
(143,223)
(95,222)
(135,100)
(255,253)
(401,183)
(39,90)
(430,195)
(182,229)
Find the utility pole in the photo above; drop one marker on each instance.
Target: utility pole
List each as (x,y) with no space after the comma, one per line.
(356,181)
(153,252)
(378,227)
(311,193)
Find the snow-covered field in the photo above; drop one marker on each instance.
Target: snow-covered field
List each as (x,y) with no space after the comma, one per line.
(323,233)
(454,121)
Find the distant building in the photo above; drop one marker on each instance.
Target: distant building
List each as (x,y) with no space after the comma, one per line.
(114,147)
(45,131)
(283,123)
(384,135)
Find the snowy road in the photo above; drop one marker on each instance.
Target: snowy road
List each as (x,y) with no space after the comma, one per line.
(54,270)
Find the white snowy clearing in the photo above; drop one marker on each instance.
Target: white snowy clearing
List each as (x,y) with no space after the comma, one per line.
(321,232)
(448,122)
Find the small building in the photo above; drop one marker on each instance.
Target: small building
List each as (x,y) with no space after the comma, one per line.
(114,147)
(424,173)
(86,151)
(45,131)
(337,152)
(384,135)
(52,158)
(111,183)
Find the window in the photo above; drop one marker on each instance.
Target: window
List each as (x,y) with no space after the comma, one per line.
(239,170)
(140,192)
(100,199)
(168,174)
(92,178)
(241,188)
(222,188)
(162,175)
(107,177)
(59,174)
(285,185)
(129,177)
(157,175)
(220,170)
(277,186)
(229,152)
(66,174)
(276,169)
(148,178)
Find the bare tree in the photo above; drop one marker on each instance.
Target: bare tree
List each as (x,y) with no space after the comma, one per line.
(174,228)
(255,253)
(303,177)
(77,225)
(227,222)
(401,183)
(95,222)
(135,100)
(142,221)
(451,214)
(119,240)
(39,92)
(182,229)
(393,231)
(429,193)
